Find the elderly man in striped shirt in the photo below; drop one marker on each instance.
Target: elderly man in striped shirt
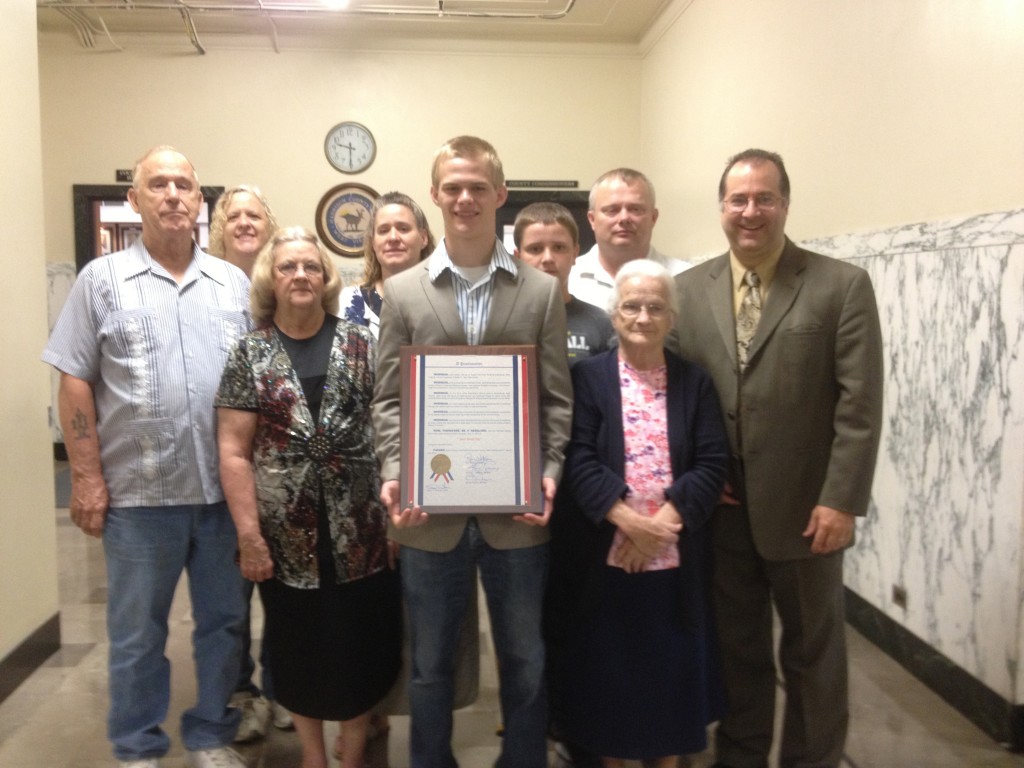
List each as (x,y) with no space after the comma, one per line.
(140,345)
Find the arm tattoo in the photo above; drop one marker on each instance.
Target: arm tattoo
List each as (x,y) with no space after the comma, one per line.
(80,425)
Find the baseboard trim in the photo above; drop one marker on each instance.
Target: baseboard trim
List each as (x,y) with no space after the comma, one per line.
(29,656)
(1002,720)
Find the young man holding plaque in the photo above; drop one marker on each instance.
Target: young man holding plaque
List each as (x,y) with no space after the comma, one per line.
(471,291)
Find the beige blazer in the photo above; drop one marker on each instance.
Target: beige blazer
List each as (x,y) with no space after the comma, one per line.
(526,309)
(804,418)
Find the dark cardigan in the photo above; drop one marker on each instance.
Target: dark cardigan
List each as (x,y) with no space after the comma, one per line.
(593,480)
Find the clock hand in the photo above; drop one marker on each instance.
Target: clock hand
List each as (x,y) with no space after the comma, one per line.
(350,149)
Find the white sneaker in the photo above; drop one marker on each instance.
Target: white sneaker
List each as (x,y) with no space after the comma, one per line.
(255,714)
(282,717)
(217,757)
(147,763)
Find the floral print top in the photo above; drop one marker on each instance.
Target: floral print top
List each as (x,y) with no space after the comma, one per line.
(648,464)
(300,465)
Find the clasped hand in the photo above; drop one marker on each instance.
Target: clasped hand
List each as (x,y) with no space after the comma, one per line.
(647,537)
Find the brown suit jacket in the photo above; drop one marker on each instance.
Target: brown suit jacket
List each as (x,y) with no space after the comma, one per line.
(804,418)
(526,309)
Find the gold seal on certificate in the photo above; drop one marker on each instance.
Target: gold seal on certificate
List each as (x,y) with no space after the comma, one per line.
(441,466)
(471,429)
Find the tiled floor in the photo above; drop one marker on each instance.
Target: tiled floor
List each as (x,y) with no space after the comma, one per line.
(56,718)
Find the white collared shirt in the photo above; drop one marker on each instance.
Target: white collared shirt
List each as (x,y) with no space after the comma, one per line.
(589,281)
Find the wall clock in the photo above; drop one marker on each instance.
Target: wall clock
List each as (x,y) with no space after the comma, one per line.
(343,216)
(350,147)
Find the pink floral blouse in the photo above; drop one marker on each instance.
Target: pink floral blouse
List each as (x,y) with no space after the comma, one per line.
(648,464)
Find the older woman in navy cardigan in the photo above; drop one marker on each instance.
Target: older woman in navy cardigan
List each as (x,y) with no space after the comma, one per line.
(633,661)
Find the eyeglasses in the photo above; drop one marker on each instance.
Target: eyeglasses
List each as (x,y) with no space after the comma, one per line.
(289,268)
(633,309)
(765,201)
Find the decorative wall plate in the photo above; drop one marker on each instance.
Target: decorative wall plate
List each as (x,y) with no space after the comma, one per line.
(343,216)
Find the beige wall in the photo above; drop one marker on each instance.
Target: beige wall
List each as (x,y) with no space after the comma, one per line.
(257,116)
(885,112)
(28,570)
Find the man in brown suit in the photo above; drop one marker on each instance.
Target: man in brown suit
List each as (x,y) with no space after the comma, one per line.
(795,350)
(471,291)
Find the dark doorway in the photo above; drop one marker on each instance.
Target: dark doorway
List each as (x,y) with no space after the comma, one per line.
(575,200)
(90,238)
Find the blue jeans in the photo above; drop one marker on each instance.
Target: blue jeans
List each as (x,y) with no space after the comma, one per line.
(437,586)
(245,683)
(146,550)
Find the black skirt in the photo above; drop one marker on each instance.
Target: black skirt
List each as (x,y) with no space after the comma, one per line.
(334,651)
(635,679)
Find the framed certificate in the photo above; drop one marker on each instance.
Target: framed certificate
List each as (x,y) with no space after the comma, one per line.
(471,429)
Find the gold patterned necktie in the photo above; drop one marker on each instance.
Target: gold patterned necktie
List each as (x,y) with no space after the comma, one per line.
(749,316)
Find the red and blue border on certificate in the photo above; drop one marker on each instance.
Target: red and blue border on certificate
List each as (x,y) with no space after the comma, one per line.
(527,495)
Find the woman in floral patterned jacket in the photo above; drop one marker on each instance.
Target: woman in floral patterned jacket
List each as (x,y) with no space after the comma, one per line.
(301,480)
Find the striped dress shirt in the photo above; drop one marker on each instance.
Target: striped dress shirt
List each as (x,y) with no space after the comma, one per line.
(154,349)
(473,301)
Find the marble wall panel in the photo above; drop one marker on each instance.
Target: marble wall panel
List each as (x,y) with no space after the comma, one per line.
(947,519)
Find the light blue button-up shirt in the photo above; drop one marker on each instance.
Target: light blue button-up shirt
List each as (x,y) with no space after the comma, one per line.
(154,350)
(472,300)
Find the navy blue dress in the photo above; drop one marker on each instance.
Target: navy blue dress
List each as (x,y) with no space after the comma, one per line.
(633,661)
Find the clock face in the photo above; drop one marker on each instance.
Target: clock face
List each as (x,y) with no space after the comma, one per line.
(350,147)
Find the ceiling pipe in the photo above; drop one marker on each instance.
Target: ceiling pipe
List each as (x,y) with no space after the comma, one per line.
(82,26)
(190,29)
(263,6)
(74,11)
(273,33)
(107,33)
